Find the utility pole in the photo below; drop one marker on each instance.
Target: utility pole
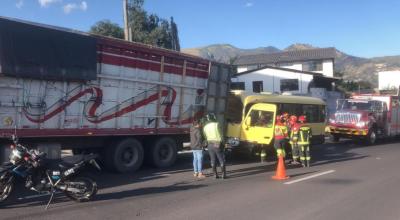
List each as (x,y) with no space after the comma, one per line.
(126,30)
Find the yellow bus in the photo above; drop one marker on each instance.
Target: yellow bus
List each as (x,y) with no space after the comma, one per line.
(246,110)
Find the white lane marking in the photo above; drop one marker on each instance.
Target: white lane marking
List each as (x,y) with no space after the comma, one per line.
(37,196)
(309,177)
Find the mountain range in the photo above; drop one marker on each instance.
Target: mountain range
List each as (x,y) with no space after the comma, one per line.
(351,68)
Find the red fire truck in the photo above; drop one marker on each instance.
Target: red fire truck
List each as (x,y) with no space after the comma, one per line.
(366,117)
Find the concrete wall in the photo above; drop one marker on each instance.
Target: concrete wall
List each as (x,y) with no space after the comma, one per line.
(389,79)
(293,66)
(327,68)
(271,80)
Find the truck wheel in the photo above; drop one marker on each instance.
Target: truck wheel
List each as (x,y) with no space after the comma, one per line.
(164,152)
(371,137)
(127,156)
(335,138)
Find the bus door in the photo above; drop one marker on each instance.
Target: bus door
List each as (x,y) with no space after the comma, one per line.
(258,126)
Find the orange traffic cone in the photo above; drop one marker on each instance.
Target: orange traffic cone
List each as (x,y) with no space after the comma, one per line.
(280,170)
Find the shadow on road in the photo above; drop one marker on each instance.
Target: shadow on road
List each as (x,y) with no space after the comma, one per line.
(148,190)
(336,152)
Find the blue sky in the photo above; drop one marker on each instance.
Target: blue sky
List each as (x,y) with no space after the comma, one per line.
(364,28)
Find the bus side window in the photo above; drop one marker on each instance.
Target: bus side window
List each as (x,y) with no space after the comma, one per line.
(314,113)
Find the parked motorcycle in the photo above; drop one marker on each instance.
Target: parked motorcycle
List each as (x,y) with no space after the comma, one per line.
(45,175)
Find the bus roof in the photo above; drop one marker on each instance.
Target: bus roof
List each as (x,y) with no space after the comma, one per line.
(276,98)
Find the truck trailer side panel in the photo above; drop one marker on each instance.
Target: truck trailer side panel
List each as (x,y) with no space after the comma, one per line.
(135,91)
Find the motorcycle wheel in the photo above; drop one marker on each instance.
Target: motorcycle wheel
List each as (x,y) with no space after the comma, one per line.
(6,187)
(86,185)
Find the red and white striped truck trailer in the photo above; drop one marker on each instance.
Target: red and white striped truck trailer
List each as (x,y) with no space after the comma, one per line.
(62,89)
(366,117)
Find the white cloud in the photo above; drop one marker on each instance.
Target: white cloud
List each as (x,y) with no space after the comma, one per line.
(19,4)
(83,6)
(249,4)
(68,8)
(46,3)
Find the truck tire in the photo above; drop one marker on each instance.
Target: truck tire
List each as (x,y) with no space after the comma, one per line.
(335,138)
(370,139)
(126,156)
(164,152)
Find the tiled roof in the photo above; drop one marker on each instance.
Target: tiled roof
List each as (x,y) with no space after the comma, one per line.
(288,56)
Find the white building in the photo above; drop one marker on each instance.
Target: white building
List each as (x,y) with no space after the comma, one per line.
(389,79)
(320,60)
(279,80)
(283,80)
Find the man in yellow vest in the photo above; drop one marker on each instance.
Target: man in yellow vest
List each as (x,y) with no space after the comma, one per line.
(212,133)
(304,141)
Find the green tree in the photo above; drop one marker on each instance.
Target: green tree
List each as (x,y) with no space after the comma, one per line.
(352,86)
(150,29)
(107,28)
(144,28)
(175,36)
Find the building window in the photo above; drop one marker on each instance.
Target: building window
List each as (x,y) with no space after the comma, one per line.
(289,85)
(314,65)
(238,86)
(258,86)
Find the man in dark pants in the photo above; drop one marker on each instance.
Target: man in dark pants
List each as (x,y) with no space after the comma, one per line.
(196,144)
(212,133)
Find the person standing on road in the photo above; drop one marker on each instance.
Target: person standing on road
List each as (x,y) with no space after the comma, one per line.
(304,142)
(212,132)
(294,137)
(196,144)
(280,135)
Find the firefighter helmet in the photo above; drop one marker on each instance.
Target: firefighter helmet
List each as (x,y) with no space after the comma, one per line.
(302,118)
(285,115)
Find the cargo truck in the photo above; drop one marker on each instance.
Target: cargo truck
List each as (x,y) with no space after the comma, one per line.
(63,89)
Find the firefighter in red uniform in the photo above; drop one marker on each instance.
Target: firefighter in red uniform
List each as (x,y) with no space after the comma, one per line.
(294,137)
(304,141)
(280,136)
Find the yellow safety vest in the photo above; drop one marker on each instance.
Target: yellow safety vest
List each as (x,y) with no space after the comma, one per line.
(304,135)
(281,131)
(294,136)
(211,131)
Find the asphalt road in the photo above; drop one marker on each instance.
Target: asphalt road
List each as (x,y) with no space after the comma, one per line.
(346,181)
